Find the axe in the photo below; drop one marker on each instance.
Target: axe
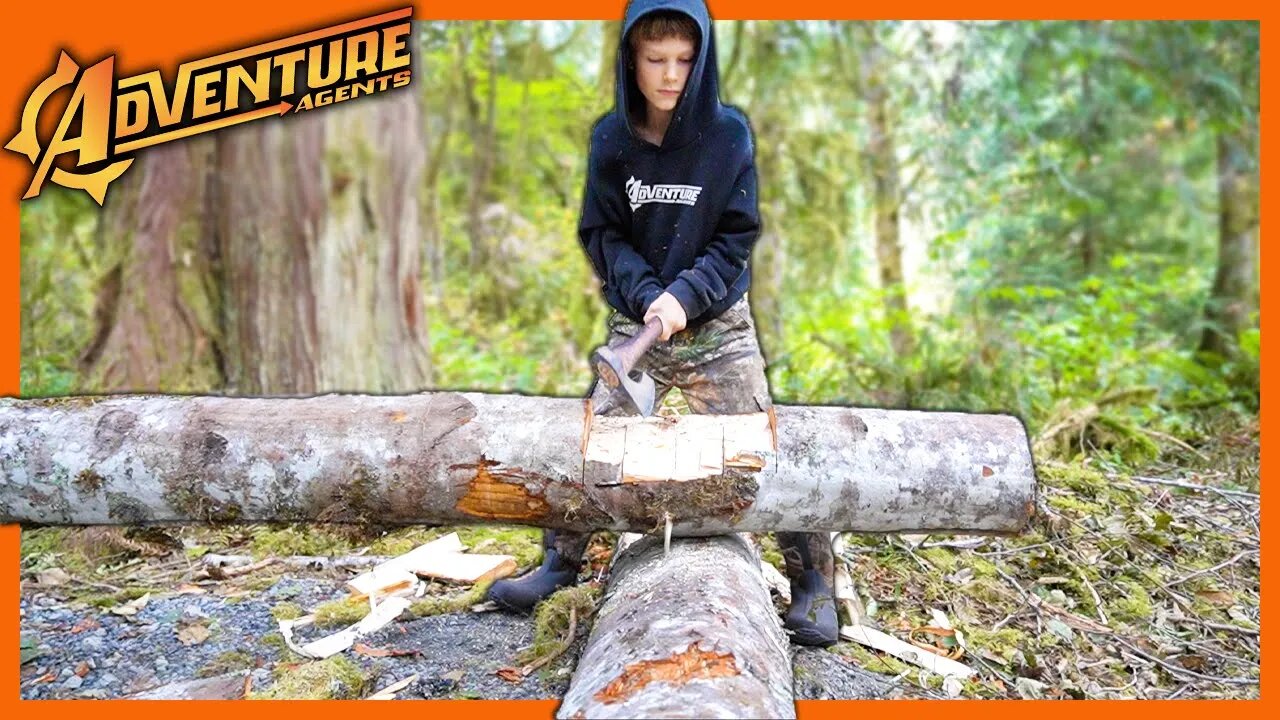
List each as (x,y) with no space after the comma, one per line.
(613,367)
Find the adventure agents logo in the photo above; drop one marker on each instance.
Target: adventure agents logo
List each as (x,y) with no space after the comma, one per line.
(639,193)
(106,120)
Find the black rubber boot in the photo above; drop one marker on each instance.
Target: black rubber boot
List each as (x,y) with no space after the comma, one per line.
(812,616)
(523,593)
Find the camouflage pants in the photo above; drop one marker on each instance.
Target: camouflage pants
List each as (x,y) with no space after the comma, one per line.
(720,371)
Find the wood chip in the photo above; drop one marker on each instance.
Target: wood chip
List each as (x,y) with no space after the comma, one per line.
(883,642)
(389,692)
(464,567)
(396,573)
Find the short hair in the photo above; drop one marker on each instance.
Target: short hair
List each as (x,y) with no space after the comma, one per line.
(661,25)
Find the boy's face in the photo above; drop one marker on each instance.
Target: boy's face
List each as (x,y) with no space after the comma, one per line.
(662,68)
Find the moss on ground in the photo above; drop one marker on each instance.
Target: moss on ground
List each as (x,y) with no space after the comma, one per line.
(227,662)
(551,619)
(524,544)
(299,540)
(344,612)
(1132,605)
(451,603)
(334,678)
(287,611)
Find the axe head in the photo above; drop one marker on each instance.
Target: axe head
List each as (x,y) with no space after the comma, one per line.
(635,394)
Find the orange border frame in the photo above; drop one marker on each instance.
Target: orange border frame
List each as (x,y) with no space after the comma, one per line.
(146,33)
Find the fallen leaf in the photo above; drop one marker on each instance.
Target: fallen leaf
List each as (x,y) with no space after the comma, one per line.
(88,623)
(46,678)
(1192,662)
(510,674)
(53,577)
(367,651)
(455,676)
(132,607)
(952,686)
(1217,598)
(1237,613)
(27,650)
(82,668)
(189,589)
(943,641)
(1030,689)
(1059,628)
(193,634)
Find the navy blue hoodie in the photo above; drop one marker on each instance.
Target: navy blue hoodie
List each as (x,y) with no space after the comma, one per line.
(680,217)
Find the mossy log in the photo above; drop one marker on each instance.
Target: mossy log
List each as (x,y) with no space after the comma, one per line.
(448,457)
(691,633)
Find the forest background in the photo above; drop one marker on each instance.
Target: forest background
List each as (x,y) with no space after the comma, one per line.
(1057,220)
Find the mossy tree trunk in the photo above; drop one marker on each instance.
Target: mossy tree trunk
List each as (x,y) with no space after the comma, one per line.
(1235,293)
(887,191)
(278,257)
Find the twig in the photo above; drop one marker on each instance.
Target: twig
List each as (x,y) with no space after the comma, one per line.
(1165,436)
(573,627)
(1097,600)
(958,544)
(1009,551)
(100,586)
(1222,626)
(311,562)
(1188,486)
(923,566)
(1183,671)
(219,573)
(1206,571)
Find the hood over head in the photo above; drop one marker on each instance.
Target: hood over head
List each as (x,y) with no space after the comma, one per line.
(699,104)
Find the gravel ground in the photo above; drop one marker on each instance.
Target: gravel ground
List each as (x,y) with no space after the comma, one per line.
(90,653)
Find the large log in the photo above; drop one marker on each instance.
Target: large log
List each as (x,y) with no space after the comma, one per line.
(692,634)
(447,457)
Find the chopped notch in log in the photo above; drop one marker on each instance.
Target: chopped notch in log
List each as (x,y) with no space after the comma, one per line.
(691,664)
(497,493)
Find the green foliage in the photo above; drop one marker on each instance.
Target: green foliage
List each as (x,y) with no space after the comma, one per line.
(1055,201)
(58,275)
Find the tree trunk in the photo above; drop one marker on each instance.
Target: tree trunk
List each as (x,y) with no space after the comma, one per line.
(440,458)
(278,257)
(155,319)
(431,191)
(607,79)
(1235,284)
(483,130)
(886,176)
(694,630)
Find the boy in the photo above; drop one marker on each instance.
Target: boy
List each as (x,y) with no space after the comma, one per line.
(668,220)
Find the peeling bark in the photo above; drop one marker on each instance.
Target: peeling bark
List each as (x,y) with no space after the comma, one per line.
(693,633)
(446,457)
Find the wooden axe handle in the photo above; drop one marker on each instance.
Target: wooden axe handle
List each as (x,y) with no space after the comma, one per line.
(631,351)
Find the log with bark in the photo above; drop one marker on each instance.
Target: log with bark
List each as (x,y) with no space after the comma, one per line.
(448,457)
(692,633)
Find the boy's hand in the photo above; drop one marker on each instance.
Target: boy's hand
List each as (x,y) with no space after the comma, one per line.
(669,310)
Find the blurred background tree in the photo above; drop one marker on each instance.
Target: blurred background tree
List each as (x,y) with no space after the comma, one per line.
(1055,219)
